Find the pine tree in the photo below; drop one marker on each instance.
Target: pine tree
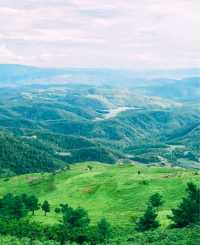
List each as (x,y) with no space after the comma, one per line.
(148,220)
(103,231)
(188,212)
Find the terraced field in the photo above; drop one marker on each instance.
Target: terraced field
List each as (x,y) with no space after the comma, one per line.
(116,192)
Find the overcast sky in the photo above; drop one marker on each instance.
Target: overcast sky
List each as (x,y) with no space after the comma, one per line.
(137,34)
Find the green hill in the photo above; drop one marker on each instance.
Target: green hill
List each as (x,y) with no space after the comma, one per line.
(76,123)
(115,192)
(18,157)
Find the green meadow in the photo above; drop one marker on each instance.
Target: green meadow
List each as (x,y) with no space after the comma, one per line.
(116,192)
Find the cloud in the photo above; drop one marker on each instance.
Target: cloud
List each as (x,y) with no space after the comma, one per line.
(110,33)
(8,55)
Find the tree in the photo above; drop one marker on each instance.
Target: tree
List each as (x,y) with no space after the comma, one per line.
(32,204)
(57,210)
(89,167)
(188,212)
(103,231)
(12,207)
(19,209)
(148,220)
(45,207)
(156,200)
(74,225)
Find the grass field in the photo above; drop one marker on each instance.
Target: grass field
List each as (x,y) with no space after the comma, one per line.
(115,192)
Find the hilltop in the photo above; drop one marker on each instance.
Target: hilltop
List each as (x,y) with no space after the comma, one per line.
(116,192)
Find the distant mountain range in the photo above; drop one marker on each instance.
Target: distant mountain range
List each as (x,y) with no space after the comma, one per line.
(151,122)
(13,73)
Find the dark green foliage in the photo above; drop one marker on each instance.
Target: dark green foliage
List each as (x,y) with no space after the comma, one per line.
(25,228)
(12,207)
(45,207)
(74,225)
(103,231)
(188,212)
(57,210)
(184,236)
(156,200)
(32,204)
(17,207)
(19,157)
(148,220)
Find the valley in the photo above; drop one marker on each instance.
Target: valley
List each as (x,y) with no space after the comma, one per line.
(70,123)
(99,122)
(96,152)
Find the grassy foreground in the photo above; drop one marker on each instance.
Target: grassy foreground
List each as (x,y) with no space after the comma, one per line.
(115,192)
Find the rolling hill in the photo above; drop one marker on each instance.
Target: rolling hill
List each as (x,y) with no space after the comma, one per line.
(115,192)
(73,123)
(58,128)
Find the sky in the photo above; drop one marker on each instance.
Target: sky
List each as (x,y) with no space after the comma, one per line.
(133,34)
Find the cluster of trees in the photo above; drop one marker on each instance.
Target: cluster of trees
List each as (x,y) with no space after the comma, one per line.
(188,211)
(74,225)
(17,207)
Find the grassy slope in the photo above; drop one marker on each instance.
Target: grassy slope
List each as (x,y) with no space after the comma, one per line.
(115,192)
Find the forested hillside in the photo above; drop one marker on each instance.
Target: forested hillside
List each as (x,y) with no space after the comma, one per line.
(18,157)
(68,123)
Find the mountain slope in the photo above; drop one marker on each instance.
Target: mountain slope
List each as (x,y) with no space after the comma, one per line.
(115,192)
(16,157)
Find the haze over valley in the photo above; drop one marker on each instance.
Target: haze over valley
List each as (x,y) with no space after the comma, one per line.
(155,121)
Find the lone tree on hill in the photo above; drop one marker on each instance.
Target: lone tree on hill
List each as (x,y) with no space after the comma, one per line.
(103,231)
(148,220)
(45,207)
(156,200)
(32,204)
(188,212)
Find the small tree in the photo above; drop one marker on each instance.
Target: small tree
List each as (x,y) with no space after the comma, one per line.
(148,220)
(57,210)
(103,231)
(89,167)
(45,207)
(188,212)
(32,204)
(156,200)
(74,225)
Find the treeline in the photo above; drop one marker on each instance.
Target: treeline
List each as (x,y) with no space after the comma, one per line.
(75,225)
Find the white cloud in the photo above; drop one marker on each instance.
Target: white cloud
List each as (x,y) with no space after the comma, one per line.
(109,33)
